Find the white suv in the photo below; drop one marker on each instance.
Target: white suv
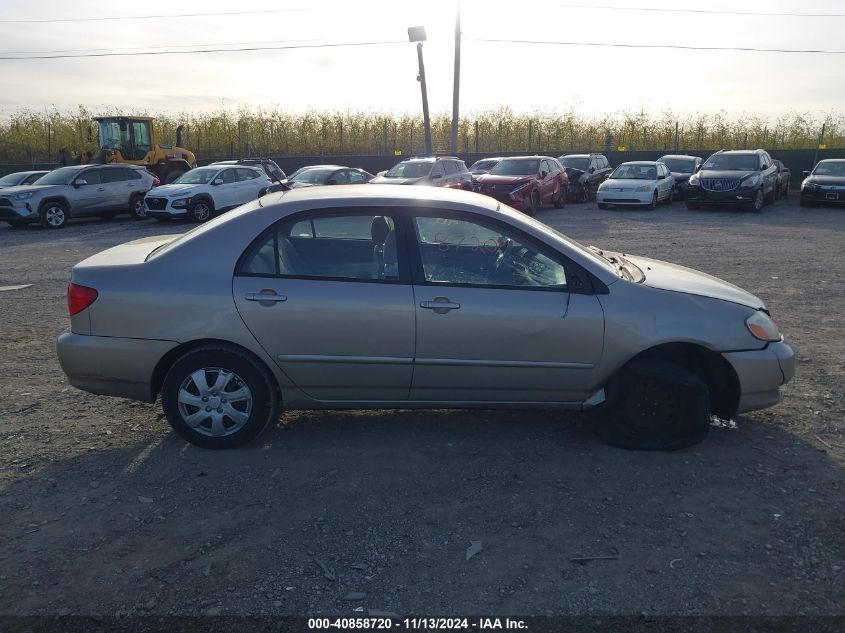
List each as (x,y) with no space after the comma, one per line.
(204,191)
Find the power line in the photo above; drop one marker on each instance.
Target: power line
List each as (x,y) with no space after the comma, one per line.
(661,46)
(207,50)
(149,48)
(607,7)
(151,17)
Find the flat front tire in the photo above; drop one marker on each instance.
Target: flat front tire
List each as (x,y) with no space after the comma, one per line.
(654,405)
(218,397)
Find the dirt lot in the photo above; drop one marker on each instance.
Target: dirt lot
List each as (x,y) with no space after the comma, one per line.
(105,511)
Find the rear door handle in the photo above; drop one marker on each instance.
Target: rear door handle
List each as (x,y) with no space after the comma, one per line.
(268,298)
(441,305)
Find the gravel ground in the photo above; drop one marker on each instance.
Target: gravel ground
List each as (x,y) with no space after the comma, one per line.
(105,511)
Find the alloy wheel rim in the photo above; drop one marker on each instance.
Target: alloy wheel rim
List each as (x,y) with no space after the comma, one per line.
(55,216)
(214,402)
(201,212)
(758,200)
(140,209)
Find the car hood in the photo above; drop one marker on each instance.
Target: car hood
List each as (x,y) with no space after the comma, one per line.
(384,180)
(626,183)
(492,179)
(173,190)
(826,180)
(680,176)
(8,191)
(666,276)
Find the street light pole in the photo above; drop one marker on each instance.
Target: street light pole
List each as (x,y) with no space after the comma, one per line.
(417,34)
(424,90)
(456,88)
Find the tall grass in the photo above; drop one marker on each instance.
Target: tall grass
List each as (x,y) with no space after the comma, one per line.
(35,136)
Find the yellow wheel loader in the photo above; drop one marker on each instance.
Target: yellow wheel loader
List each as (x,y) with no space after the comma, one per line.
(131,140)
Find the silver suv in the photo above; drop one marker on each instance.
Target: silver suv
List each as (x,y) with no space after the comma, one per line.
(78,191)
(437,171)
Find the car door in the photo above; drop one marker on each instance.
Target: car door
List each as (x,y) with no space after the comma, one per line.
(549,181)
(496,321)
(88,198)
(227,194)
(250,184)
(329,298)
(118,188)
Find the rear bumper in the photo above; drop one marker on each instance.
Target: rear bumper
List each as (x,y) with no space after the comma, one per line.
(761,373)
(111,366)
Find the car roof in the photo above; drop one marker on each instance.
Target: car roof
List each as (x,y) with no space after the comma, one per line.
(681,156)
(650,163)
(747,152)
(832,160)
(525,157)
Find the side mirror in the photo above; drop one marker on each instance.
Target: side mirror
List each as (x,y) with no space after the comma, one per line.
(79,181)
(805,174)
(217,181)
(592,170)
(543,174)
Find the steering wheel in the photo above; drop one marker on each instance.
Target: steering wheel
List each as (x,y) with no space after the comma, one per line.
(502,259)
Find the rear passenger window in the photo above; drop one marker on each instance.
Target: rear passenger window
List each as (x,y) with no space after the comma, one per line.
(113,174)
(247,174)
(339,247)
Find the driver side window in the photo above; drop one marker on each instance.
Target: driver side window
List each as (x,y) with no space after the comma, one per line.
(455,251)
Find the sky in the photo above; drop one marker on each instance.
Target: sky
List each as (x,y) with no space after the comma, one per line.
(527,77)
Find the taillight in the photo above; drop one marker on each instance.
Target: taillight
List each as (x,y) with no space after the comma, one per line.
(79,298)
(156,182)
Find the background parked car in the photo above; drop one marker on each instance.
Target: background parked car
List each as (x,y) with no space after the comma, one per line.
(526,182)
(682,167)
(483,166)
(586,172)
(438,171)
(273,171)
(825,184)
(316,175)
(78,191)
(784,178)
(476,304)
(204,191)
(637,183)
(20,178)
(745,178)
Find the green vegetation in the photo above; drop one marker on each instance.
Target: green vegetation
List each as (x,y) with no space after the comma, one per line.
(30,136)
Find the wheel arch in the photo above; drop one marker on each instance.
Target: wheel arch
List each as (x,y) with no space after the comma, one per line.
(60,199)
(166,362)
(720,377)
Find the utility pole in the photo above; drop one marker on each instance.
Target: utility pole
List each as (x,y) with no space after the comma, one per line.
(456,88)
(821,140)
(417,34)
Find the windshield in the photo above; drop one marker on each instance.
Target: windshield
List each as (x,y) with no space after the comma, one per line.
(417,169)
(826,168)
(61,176)
(735,162)
(196,177)
(679,165)
(516,168)
(576,162)
(313,176)
(11,179)
(483,165)
(634,172)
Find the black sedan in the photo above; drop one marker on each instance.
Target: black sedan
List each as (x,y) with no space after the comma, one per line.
(825,184)
(682,167)
(328,175)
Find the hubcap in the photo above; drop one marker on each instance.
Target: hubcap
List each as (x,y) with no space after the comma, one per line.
(201,212)
(140,209)
(214,402)
(55,216)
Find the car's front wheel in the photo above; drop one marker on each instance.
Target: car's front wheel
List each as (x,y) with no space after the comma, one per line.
(602,205)
(654,405)
(137,209)
(653,204)
(218,397)
(202,210)
(53,215)
(759,201)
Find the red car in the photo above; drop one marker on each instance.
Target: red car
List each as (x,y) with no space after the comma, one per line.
(525,182)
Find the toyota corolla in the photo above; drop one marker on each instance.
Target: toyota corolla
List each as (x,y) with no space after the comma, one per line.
(353,297)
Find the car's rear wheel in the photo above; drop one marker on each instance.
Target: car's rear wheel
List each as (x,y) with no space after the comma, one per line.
(202,210)
(671,197)
(137,209)
(218,397)
(53,215)
(560,201)
(654,405)
(585,193)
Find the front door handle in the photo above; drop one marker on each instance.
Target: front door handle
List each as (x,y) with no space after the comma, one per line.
(265,297)
(441,305)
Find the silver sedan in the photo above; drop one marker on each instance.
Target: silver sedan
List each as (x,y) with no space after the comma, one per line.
(400,297)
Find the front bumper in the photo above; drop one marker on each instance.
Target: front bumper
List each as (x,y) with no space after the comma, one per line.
(610,196)
(823,195)
(761,374)
(741,196)
(163,207)
(519,201)
(111,366)
(20,211)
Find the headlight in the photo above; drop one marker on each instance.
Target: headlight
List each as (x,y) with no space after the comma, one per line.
(762,327)
(181,203)
(807,185)
(751,181)
(23,196)
(693,180)
(602,186)
(644,188)
(521,188)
